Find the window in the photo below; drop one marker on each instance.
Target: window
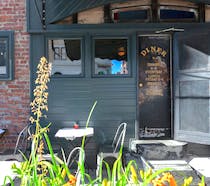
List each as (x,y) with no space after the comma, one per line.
(65,56)
(173,13)
(6,55)
(110,57)
(129,15)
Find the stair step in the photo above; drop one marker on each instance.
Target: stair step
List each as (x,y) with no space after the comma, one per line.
(159,149)
(180,170)
(202,166)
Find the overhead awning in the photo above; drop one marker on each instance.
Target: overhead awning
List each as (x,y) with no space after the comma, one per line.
(58,10)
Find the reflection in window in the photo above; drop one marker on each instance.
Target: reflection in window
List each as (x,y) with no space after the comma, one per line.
(193,52)
(65,56)
(3,56)
(111,57)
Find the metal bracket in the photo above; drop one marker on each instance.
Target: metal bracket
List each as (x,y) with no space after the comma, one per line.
(172,29)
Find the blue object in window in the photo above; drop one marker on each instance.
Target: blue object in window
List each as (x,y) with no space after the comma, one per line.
(116,66)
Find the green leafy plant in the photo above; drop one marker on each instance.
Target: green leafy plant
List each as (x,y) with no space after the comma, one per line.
(36,171)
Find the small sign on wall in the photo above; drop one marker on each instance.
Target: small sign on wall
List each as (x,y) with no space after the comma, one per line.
(6,55)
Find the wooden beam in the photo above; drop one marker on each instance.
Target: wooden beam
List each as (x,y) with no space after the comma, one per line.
(154,7)
(75,18)
(107,14)
(201,12)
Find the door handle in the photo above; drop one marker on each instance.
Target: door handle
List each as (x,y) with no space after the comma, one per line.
(140,85)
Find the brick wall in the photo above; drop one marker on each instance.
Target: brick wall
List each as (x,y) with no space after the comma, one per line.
(14,95)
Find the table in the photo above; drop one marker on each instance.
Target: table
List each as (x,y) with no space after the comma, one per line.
(72,133)
(6,170)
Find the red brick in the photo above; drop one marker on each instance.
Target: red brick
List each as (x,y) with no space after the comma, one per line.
(15,97)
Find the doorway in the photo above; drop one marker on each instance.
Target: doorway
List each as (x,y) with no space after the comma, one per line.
(154,87)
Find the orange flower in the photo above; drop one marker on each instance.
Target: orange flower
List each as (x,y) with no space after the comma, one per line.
(166,178)
(158,182)
(72,181)
(169,178)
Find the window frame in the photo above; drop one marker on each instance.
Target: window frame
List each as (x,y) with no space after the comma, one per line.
(9,38)
(93,75)
(82,52)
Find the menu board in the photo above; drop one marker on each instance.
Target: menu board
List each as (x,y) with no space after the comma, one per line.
(154,84)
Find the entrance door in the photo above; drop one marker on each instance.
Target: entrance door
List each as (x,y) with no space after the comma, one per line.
(192,85)
(154,86)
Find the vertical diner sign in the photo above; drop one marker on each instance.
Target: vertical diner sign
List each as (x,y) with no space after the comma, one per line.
(154,86)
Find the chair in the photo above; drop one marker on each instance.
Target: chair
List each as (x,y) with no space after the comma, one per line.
(21,145)
(81,158)
(22,140)
(46,154)
(110,152)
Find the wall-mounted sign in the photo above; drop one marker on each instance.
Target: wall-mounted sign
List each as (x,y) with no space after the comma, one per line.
(154,74)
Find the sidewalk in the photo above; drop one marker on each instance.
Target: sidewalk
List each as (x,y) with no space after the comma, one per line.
(187,159)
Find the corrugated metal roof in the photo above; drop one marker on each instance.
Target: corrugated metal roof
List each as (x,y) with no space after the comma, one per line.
(57,10)
(60,9)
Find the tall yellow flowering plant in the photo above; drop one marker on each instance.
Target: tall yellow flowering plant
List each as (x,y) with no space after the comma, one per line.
(35,170)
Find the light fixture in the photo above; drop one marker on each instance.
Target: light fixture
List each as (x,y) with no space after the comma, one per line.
(121,51)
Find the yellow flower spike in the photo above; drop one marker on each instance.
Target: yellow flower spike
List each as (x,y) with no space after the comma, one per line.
(202,183)
(187,181)
(133,174)
(44,183)
(105,182)
(141,172)
(148,173)
(63,173)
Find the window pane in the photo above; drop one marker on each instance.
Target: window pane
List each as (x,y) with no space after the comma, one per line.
(176,14)
(193,52)
(111,57)
(131,16)
(3,56)
(65,56)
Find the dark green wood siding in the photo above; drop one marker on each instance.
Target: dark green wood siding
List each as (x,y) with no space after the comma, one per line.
(70,99)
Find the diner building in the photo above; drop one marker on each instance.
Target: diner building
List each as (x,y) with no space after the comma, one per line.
(145,62)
